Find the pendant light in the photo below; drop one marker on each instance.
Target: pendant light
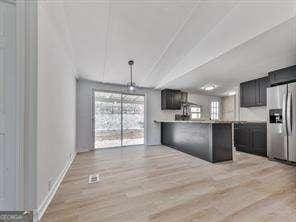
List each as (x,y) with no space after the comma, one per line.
(131,85)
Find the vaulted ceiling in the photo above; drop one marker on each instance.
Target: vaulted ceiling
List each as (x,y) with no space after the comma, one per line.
(176,44)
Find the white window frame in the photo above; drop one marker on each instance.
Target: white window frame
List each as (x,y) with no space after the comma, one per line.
(215,110)
(198,113)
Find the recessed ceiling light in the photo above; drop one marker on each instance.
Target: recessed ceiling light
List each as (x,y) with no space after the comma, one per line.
(231,93)
(209,87)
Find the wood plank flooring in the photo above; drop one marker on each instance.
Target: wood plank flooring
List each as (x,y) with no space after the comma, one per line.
(160,184)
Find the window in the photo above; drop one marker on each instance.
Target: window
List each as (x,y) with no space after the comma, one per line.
(195,112)
(215,110)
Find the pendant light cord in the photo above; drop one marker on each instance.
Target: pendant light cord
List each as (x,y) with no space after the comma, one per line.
(131,69)
(131,63)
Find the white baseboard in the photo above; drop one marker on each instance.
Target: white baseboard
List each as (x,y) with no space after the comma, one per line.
(42,208)
(84,150)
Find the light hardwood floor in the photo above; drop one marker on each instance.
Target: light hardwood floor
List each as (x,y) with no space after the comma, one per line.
(161,184)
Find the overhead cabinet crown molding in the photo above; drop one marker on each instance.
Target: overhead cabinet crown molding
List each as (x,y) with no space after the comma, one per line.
(253,93)
(283,76)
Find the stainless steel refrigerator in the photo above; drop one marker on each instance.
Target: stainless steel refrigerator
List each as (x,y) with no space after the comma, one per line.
(281,125)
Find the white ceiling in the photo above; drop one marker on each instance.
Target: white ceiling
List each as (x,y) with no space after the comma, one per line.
(178,44)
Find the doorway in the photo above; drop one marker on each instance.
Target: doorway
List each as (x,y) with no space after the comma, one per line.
(118,119)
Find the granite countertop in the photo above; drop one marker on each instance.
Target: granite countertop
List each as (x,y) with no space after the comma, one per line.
(206,121)
(251,122)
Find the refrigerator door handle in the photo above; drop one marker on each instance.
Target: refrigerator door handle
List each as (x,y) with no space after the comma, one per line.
(289,112)
(285,115)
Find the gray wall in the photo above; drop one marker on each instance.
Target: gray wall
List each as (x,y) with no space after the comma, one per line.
(228,108)
(85,88)
(56,108)
(85,140)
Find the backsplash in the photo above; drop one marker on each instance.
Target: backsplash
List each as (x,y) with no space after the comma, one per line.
(253,114)
(228,108)
(170,114)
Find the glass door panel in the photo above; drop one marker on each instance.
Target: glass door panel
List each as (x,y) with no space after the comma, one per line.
(132,119)
(107,119)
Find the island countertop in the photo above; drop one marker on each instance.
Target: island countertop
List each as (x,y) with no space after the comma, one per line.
(206,121)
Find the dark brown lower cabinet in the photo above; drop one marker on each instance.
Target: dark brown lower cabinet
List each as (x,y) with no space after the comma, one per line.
(208,141)
(251,138)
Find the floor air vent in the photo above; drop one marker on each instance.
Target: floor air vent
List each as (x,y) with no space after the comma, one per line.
(93,178)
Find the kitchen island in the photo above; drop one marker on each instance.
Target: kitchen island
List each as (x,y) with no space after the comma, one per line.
(208,140)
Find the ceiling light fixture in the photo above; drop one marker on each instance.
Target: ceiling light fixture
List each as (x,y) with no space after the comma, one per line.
(131,85)
(231,93)
(209,87)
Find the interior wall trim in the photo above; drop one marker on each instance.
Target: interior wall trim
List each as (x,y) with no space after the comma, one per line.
(26,71)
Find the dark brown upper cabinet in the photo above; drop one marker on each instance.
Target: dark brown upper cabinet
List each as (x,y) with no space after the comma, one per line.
(248,93)
(253,93)
(171,99)
(261,90)
(283,76)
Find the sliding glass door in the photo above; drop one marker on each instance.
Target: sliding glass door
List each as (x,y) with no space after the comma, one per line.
(132,119)
(107,119)
(119,119)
